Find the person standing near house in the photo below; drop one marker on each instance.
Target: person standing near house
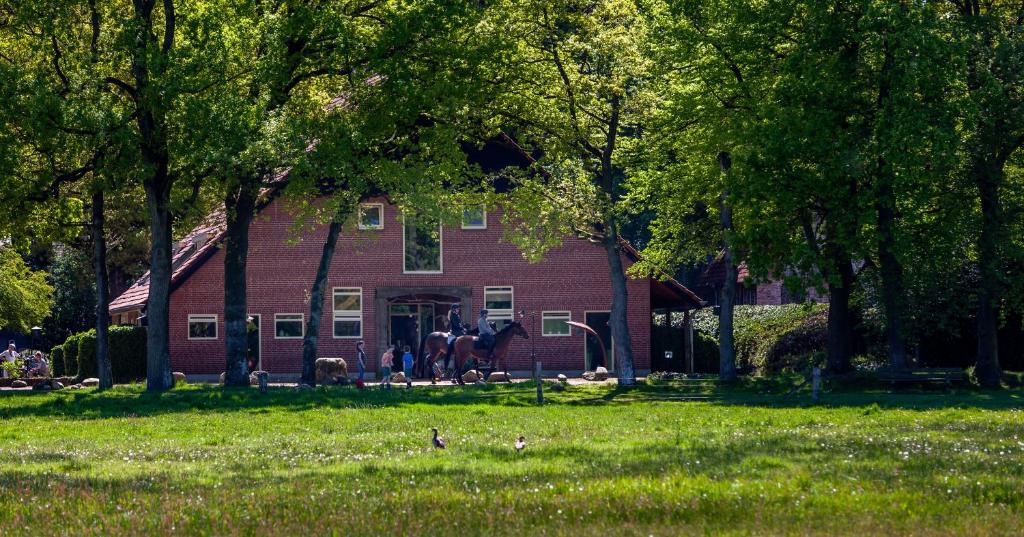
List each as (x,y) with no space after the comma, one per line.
(386,362)
(360,359)
(486,334)
(407,362)
(9,355)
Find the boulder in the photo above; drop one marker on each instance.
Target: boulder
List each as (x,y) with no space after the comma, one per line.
(471,376)
(178,377)
(562,377)
(222,376)
(588,375)
(557,387)
(328,368)
(18,383)
(498,376)
(303,387)
(57,385)
(253,379)
(92,381)
(75,387)
(600,373)
(398,378)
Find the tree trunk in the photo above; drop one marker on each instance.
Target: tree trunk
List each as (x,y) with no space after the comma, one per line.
(885,205)
(987,369)
(158,357)
(316,300)
(99,246)
(727,298)
(239,204)
(619,320)
(148,61)
(840,334)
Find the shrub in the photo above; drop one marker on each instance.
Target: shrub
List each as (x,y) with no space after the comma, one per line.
(127,353)
(57,365)
(70,347)
(769,339)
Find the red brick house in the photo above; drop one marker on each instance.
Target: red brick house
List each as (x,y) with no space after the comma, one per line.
(393,283)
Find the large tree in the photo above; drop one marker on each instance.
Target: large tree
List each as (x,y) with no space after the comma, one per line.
(576,80)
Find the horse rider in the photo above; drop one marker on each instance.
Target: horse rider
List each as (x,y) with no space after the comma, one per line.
(455,329)
(487,334)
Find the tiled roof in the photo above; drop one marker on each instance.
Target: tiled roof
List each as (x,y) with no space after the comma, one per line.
(194,248)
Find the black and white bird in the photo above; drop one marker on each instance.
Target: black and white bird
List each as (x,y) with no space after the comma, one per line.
(438,441)
(521,443)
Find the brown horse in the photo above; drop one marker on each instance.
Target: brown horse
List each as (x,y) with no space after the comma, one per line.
(435,345)
(465,347)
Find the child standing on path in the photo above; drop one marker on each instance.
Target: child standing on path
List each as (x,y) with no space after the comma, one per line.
(360,359)
(385,366)
(407,366)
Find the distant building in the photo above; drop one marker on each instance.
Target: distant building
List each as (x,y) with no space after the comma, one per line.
(392,282)
(749,291)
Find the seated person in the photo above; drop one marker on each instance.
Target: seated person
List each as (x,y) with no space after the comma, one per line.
(36,366)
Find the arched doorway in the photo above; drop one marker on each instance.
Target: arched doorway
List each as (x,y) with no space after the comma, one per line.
(407,314)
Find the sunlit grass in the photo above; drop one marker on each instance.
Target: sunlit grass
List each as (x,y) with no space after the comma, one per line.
(599,461)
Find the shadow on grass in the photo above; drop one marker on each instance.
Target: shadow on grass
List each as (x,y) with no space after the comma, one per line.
(133,401)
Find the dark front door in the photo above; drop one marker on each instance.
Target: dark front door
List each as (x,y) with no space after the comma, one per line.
(598,320)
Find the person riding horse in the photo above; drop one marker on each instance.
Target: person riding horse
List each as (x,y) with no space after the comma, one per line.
(455,329)
(486,334)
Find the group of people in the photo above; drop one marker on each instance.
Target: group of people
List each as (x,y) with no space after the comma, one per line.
(456,328)
(33,366)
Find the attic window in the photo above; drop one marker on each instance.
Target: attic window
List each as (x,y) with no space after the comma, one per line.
(474,218)
(371,216)
(422,246)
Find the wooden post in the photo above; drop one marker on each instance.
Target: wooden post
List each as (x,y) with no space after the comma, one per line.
(815,383)
(262,377)
(540,384)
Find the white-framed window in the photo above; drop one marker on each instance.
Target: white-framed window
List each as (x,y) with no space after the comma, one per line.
(422,246)
(347,305)
(500,305)
(474,217)
(552,323)
(371,216)
(289,325)
(202,327)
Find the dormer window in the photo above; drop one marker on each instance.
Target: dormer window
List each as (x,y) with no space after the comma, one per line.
(474,217)
(371,216)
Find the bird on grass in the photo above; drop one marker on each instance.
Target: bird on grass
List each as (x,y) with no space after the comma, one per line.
(521,443)
(438,441)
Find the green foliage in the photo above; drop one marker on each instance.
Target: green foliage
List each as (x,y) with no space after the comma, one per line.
(74,295)
(127,353)
(70,347)
(25,295)
(772,339)
(58,367)
(598,461)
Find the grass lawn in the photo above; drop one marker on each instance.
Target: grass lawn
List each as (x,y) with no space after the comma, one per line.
(600,461)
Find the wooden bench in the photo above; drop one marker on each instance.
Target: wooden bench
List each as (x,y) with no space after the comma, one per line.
(946,376)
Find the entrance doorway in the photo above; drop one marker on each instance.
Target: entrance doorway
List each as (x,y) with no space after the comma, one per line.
(598,320)
(252,330)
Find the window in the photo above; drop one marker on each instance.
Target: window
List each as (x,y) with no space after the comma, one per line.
(552,323)
(348,312)
(289,326)
(474,218)
(499,305)
(422,245)
(371,216)
(202,327)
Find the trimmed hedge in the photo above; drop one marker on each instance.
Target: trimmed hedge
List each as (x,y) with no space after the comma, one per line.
(770,339)
(57,365)
(127,353)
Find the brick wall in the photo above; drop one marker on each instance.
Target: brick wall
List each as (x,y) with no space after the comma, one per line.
(282,266)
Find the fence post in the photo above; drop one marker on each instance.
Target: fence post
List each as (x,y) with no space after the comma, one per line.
(815,383)
(540,384)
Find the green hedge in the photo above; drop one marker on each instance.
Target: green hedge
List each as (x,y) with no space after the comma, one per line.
(127,353)
(770,339)
(57,365)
